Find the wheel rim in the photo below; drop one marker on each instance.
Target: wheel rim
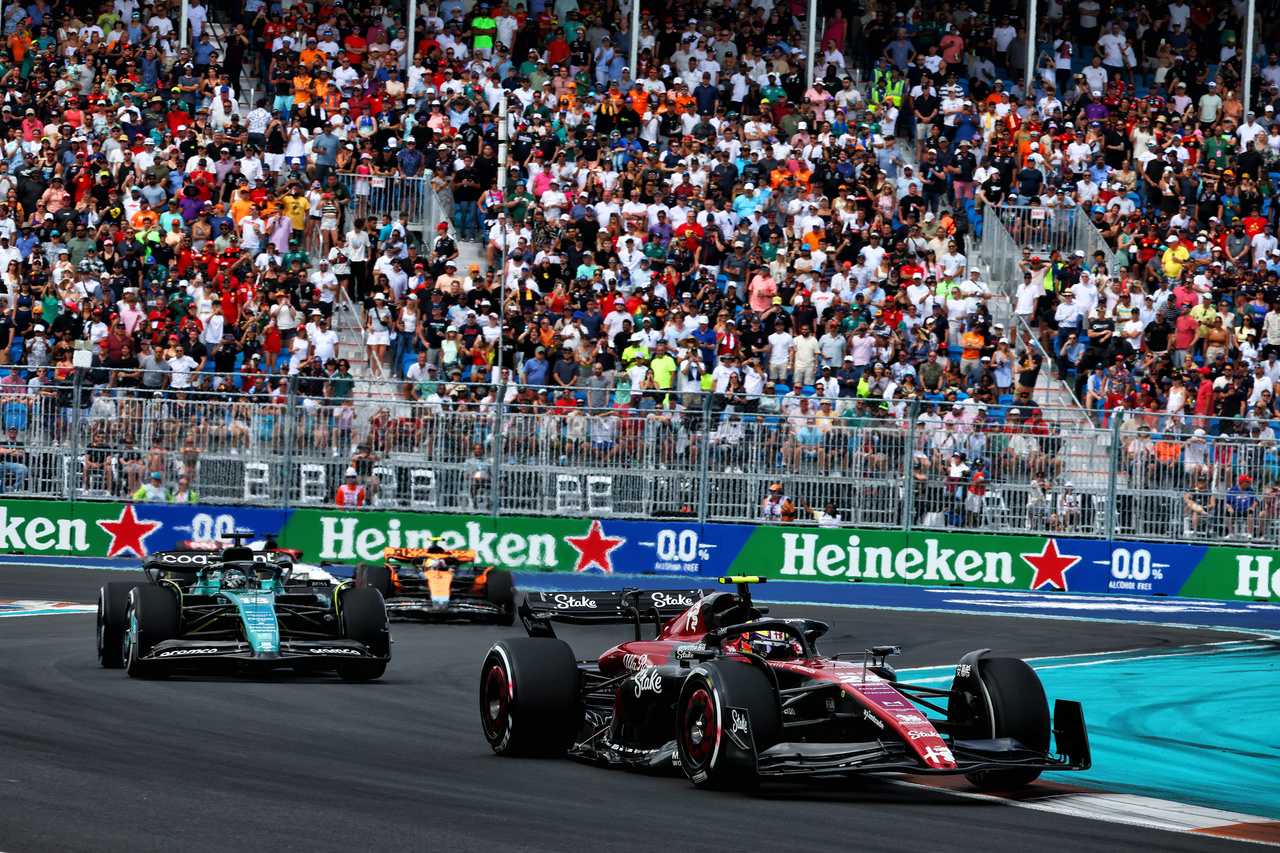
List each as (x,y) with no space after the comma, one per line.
(701,730)
(496,701)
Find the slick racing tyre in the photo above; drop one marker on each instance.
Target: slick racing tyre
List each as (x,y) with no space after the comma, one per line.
(362,616)
(531,697)
(113,601)
(1018,709)
(151,617)
(376,576)
(500,589)
(727,714)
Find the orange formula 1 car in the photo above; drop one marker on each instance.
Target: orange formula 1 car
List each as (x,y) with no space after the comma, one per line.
(440,585)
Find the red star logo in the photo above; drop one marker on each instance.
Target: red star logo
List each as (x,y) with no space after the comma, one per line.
(1050,566)
(594,548)
(128,533)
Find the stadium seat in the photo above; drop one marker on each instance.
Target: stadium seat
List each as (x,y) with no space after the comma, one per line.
(15,415)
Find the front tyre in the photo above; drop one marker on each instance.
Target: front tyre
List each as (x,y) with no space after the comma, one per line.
(374,575)
(113,602)
(727,714)
(151,617)
(1018,709)
(531,697)
(500,590)
(362,615)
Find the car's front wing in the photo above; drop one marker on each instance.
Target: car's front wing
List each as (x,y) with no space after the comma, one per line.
(799,759)
(292,653)
(424,608)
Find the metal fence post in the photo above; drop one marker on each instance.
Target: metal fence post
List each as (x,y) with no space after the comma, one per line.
(495,487)
(704,466)
(908,468)
(1113,499)
(77,385)
(290,436)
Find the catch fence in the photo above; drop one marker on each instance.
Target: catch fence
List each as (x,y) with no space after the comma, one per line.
(287,442)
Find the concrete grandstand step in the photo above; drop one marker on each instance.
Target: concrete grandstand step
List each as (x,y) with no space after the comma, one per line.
(471,253)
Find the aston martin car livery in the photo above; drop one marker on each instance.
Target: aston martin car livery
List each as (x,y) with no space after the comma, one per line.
(442,585)
(235,610)
(732,697)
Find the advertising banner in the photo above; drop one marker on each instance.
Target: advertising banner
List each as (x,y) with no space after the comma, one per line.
(121,530)
(526,544)
(1251,574)
(675,548)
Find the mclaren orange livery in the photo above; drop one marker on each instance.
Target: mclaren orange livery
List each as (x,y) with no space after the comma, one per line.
(440,584)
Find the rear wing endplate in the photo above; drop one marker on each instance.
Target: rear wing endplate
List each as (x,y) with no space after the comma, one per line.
(608,607)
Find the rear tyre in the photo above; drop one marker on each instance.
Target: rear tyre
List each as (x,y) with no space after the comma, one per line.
(362,617)
(151,617)
(500,590)
(531,697)
(716,742)
(113,602)
(376,576)
(1018,710)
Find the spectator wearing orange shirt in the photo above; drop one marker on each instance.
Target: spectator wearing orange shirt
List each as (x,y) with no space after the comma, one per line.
(350,493)
(971,343)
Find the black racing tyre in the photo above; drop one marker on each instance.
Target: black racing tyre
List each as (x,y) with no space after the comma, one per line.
(500,589)
(362,616)
(716,742)
(113,602)
(374,575)
(531,697)
(1019,710)
(151,617)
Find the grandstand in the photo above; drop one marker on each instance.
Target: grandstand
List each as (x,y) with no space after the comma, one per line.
(907,276)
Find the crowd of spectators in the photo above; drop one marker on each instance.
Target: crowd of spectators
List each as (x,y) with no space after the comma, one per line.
(707,221)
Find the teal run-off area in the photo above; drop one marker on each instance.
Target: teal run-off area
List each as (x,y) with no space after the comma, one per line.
(1193,725)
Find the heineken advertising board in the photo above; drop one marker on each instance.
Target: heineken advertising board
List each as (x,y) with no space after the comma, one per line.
(605,547)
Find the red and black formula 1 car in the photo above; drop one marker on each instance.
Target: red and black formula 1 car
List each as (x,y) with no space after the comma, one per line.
(733,697)
(439,584)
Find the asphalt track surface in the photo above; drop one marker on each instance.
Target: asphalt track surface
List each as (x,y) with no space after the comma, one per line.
(95,761)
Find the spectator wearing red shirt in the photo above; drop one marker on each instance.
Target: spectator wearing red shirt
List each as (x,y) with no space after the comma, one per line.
(689,231)
(1184,335)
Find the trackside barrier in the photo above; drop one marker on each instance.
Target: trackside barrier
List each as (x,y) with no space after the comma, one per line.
(673,547)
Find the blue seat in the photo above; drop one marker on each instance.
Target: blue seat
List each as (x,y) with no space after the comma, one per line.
(748,419)
(15,415)
(808,390)
(772,421)
(933,398)
(1004,400)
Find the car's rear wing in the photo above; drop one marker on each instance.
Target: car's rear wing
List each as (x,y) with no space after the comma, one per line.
(408,555)
(192,562)
(608,607)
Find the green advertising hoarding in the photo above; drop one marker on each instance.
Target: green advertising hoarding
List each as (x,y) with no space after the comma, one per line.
(926,558)
(666,547)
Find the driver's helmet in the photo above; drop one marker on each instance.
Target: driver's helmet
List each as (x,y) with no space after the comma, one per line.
(234,579)
(770,645)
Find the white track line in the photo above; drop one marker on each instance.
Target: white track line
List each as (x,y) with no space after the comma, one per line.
(1130,810)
